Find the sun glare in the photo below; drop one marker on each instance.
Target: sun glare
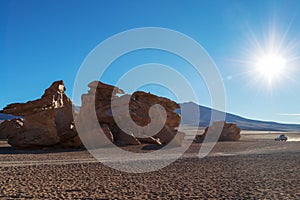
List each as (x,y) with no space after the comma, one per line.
(270,57)
(271,66)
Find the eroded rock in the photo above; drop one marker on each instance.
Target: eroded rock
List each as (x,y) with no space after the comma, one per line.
(123,114)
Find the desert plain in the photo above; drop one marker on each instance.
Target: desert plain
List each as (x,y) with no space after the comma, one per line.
(255,167)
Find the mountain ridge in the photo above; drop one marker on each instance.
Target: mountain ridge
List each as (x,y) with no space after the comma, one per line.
(244,123)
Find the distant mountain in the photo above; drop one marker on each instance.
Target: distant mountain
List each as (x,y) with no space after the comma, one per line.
(6,116)
(191,118)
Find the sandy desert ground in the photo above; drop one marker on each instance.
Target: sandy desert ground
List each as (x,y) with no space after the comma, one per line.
(256,167)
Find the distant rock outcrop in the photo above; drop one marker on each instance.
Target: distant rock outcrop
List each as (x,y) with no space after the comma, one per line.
(105,96)
(47,121)
(230,132)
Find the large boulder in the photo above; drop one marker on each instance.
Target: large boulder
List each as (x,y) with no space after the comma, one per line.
(46,121)
(230,132)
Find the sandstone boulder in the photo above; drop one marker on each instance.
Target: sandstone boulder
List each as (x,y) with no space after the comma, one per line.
(46,121)
(230,132)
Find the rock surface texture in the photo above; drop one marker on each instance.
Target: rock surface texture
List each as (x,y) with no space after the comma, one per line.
(46,121)
(230,132)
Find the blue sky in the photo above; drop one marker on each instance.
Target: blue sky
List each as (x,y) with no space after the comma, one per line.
(44,41)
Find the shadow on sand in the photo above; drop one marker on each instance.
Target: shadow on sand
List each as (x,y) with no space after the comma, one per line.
(14,150)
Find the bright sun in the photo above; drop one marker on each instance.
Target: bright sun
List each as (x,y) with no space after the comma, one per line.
(271,66)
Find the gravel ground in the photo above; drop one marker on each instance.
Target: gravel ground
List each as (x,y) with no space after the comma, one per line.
(273,176)
(269,170)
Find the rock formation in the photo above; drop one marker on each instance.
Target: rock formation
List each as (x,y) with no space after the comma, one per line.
(105,96)
(230,132)
(49,121)
(46,121)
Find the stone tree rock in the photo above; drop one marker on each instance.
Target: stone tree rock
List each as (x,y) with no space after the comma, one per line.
(230,132)
(97,102)
(46,121)
(103,98)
